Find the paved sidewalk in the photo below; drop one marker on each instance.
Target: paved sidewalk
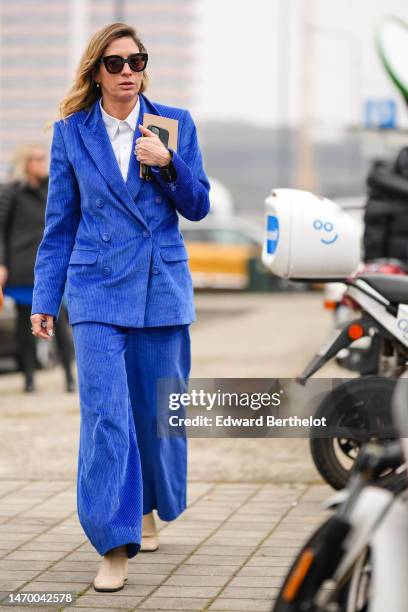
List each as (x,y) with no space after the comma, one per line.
(227,552)
(252,502)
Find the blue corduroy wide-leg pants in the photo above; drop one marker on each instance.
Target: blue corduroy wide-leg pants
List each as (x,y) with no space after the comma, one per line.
(124,469)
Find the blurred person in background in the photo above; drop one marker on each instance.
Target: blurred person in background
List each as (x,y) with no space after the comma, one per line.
(386,212)
(22,214)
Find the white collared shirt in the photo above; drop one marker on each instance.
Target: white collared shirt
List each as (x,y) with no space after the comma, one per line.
(121,135)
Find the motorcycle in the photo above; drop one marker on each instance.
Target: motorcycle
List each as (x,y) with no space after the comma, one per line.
(363,355)
(362,404)
(357,561)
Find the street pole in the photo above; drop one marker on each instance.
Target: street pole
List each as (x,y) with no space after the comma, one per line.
(283,51)
(119,10)
(78,32)
(306,174)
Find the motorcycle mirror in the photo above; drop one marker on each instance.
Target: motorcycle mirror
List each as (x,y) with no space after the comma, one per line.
(392,46)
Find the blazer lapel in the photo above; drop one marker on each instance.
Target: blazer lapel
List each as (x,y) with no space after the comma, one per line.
(96,140)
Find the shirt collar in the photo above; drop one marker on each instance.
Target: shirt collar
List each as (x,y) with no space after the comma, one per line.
(112,123)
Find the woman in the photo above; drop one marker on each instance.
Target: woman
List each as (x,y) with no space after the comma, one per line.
(22,206)
(113,237)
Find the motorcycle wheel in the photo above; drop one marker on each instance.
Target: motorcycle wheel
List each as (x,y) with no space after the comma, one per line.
(313,568)
(362,408)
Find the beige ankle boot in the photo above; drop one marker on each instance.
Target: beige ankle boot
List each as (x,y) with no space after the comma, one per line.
(150,541)
(113,570)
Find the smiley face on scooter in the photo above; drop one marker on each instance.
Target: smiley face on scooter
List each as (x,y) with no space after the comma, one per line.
(327,226)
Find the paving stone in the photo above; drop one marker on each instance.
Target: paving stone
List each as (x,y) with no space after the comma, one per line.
(258,560)
(50,555)
(48,546)
(149,609)
(107,601)
(68,609)
(245,605)
(225,550)
(75,540)
(250,593)
(261,519)
(205,570)
(168,542)
(186,591)
(275,551)
(28,608)
(263,571)
(199,559)
(175,603)
(37,585)
(158,557)
(288,536)
(62,577)
(183,580)
(11,584)
(256,581)
(20,575)
(151,568)
(226,540)
(16,565)
(134,589)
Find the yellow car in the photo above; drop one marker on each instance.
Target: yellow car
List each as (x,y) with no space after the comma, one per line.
(220,251)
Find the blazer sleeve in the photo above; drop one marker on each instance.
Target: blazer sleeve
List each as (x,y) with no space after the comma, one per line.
(190,190)
(62,216)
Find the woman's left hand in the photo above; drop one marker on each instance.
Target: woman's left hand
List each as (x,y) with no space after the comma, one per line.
(150,150)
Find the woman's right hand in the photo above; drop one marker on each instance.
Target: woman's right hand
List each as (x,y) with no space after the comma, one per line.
(42,326)
(3,275)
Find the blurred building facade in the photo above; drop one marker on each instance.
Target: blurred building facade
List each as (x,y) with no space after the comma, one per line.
(278,91)
(42,41)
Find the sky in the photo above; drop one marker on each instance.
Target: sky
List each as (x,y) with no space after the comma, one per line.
(255,64)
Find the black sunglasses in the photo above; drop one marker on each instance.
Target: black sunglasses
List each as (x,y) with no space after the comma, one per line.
(114,63)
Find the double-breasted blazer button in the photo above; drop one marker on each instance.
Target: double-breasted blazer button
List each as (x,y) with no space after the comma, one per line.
(158,199)
(146,234)
(155,270)
(106,237)
(99,203)
(107,270)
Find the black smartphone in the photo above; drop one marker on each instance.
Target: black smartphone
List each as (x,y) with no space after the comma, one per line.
(163,134)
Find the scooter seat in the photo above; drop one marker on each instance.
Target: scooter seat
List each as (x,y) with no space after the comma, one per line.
(394,287)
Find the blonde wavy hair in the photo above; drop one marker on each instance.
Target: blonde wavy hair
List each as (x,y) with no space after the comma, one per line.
(84,91)
(20,158)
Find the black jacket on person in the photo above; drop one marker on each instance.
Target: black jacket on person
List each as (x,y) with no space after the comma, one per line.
(386,214)
(22,218)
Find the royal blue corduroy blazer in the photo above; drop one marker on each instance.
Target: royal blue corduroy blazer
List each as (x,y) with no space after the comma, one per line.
(115,246)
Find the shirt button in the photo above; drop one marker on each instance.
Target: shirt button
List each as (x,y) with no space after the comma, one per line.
(106,237)
(172,187)
(107,270)
(99,203)
(158,199)
(146,234)
(155,270)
